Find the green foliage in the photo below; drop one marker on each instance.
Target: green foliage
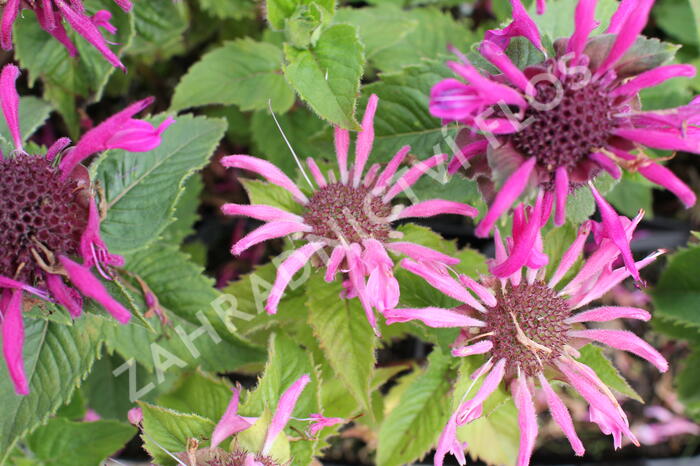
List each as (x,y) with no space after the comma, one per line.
(593,357)
(159,29)
(413,426)
(244,72)
(57,358)
(141,190)
(66,443)
(327,75)
(677,294)
(345,337)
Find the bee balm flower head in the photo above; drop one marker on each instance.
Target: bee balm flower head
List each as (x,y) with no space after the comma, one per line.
(347,219)
(49,219)
(528,328)
(555,125)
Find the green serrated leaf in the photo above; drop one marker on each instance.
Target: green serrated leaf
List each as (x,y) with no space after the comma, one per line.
(57,358)
(198,393)
(593,357)
(379,28)
(278,11)
(677,294)
(33,112)
(402,115)
(66,443)
(327,76)
(165,429)
(160,26)
(345,336)
(244,72)
(186,212)
(688,383)
(429,41)
(263,193)
(226,9)
(141,190)
(413,426)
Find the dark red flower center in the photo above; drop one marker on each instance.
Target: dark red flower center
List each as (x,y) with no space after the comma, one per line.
(567,133)
(40,214)
(528,326)
(337,211)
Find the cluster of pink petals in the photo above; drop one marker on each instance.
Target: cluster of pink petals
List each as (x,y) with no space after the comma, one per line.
(50,14)
(594,278)
(232,423)
(367,265)
(472,99)
(667,426)
(119,131)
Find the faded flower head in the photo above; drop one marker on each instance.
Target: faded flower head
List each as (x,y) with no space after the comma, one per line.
(346,221)
(51,13)
(231,423)
(49,218)
(555,125)
(529,326)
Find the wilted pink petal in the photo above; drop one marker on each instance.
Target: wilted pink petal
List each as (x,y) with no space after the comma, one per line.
(268,231)
(64,295)
(625,341)
(102,19)
(135,416)
(522,25)
(561,415)
(481,347)
(56,148)
(664,177)
(264,168)
(421,253)
(382,287)
(434,317)
(9,98)
(481,291)
(365,139)
(230,423)
(320,422)
(91,287)
(608,313)
(286,270)
(260,212)
(6,282)
(284,410)
(13,340)
(527,419)
(523,245)
(356,273)
(510,191)
(491,91)
(438,207)
(465,153)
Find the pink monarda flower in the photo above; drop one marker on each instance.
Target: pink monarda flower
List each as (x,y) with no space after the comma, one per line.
(50,14)
(554,126)
(49,217)
(528,328)
(347,220)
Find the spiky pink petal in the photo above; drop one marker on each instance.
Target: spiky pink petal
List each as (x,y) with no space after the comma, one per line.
(448,443)
(9,15)
(472,409)
(625,341)
(13,340)
(434,317)
(9,99)
(521,26)
(606,164)
(91,287)
(627,34)
(286,270)
(608,313)
(561,415)
(561,187)
(390,169)
(267,170)
(662,176)
(321,422)
(484,294)
(342,145)
(260,212)
(336,259)
(584,23)
(469,350)
(64,295)
(285,408)
(653,78)
(438,207)
(316,172)
(510,191)
(413,174)
(365,139)
(270,230)
(442,282)
(527,419)
(421,253)
(230,423)
(500,60)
